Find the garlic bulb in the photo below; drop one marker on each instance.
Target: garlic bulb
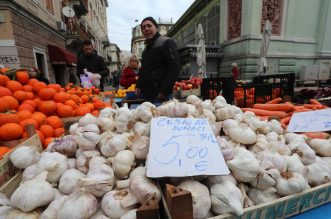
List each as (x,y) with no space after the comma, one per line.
(32,194)
(122,163)
(290,183)
(69,181)
(278,161)
(200,197)
(224,113)
(73,128)
(87,119)
(80,204)
(106,119)
(82,162)
(294,163)
(317,173)
(192,99)
(141,190)
(307,154)
(291,137)
(211,180)
(244,166)
(100,177)
(207,104)
(226,198)
(99,215)
(57,194)
(138,171)
(72,163)
(130,215)
(261,144)
(17,214)
(66,146)
(123,119)
(111,203)
(262,196)
(84,142)
(321,146)
(242,134)
(146,111)
(265,179)
(29,173)
(5,206)
(180,110)
(55,163)
(24,156)
(53,207)
(207,114)
(140,146)
(91,128)
(247,202)
(166,109)
(275,126)
(142,128)
(115,144)
(219,102)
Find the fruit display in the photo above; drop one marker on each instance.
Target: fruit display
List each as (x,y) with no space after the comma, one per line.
(121,93)
(25,100)
(192,83)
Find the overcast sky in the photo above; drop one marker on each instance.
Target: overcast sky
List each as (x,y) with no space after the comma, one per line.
(121,16)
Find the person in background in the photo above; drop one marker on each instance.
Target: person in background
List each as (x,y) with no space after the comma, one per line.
(235,71)
(92,62)
(160,64)
(130,72)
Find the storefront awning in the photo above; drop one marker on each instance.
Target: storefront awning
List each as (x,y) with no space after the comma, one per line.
(59,55)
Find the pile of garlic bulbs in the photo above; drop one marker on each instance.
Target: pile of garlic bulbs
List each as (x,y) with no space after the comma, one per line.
(97,171)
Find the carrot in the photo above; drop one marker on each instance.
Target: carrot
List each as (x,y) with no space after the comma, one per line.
(275,101)
(285,120)
(311,106)
(315,102)
(262,112)
(274,107)
(321,135)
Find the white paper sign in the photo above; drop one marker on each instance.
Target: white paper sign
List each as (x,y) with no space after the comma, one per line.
(183,147)
(312,121)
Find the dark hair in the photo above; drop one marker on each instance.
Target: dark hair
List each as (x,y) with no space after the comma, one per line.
(151,19)
(87,43)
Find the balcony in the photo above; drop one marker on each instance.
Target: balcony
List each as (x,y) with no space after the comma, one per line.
(80,7)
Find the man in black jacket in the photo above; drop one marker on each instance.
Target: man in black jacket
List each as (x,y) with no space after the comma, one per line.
(160,64)
(92,62)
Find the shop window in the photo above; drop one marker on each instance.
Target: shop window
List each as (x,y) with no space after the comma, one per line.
(40,61)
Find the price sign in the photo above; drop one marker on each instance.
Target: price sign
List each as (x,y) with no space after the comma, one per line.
(183,147)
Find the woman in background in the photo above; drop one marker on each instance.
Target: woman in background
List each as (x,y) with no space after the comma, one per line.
(130,72)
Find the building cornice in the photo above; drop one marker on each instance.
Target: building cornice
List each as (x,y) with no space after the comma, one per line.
(196,7)
(18,9)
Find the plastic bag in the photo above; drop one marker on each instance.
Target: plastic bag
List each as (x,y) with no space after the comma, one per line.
(86,81)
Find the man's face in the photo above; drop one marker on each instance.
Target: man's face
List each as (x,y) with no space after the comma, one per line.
(148,29)
(88,49)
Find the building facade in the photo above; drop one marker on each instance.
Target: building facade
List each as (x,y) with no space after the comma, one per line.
(137,41)
(299,35)
(48,35)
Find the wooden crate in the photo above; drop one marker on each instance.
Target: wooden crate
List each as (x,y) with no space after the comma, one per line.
(186,93)
(10,176)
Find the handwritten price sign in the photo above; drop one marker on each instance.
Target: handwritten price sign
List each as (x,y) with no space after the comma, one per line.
(184,147)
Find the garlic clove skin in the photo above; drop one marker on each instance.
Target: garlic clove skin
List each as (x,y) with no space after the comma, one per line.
(138,171)
(92,137)
(82,162)
(194,100)
(266,179)
(111,203)
(130,215)
(140,146)
(66,146)
(73,128)
(294,163)
(306,154)
(145,112)
(200,197)
(29,173)
(83,142)
(211,180)
(142,128)
(51,210)
(114,144)
(18,214)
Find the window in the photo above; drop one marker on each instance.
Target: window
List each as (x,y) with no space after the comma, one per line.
(213,25)
(40,61)
(49,6)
